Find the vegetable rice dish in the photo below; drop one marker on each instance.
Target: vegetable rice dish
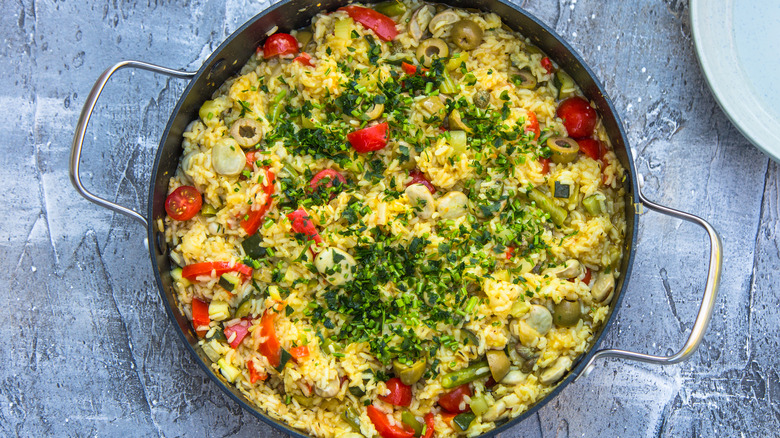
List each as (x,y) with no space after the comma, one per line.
(401,221)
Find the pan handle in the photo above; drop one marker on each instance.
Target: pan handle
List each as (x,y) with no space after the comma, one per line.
(707,303)
(81,130)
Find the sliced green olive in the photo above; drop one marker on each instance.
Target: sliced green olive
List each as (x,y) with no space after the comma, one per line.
(567,313)
(529,357)
(466,34)
(374,113)
(564,149)
(499,364)
(482,99)
(430,49)
(247,132)
(391,8)
(209,210)
(409,374)
(227,158)
(525,79)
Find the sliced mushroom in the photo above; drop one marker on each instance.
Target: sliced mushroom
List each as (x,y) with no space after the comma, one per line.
(554,373)
(529,357)
(603,289)
(570,269)
(418,24)
(336,265)
(443,19)
(431,105)
(452,205)
(421,200)
(247,132)
(514,377)
(540,319)
(227,158)
(330,390)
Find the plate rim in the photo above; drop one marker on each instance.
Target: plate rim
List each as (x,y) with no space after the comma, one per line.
(742,116)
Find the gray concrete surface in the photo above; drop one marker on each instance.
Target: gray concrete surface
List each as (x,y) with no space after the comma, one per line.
(89,350)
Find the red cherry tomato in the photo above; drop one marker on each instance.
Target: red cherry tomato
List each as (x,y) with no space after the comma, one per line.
(270,347)
(578,116)
(251,222)
(280,44)
(545,162)
(305,59)
(369,139)
(383,426)
(300,222)
(547,65)
(532,125)
(184,203)
(453,401)
(195,270)
(200,316)
(381,24)
(331,175)
(419,178)
(590,147)
(400,394)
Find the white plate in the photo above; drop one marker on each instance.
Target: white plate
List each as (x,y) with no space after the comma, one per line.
(738,44)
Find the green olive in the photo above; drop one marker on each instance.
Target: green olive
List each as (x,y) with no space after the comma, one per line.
(567,313)
(482,99)
(498,363)
(564,149)
(466,34)
(432,48)
(524,79)
(409,375)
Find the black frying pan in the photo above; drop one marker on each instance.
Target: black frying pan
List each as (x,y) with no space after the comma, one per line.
(293,14)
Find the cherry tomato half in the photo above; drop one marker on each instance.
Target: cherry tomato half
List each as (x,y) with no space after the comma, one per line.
(419,178)
(453,401)
(369,139)
(545,162)
(331,175)
(547,65)
(578,116)
(532,125)
(184,203)
(305,59)
(300,222)
(381,24)
(280,44)
(400,394)
(590,147)
(383,426)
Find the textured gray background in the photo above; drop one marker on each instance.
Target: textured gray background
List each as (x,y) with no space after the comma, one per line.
(89,350)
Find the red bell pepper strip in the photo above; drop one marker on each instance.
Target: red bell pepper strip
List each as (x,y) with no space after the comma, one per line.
(254,373)
(250,159)
(381,24)
(269,347)
(510,252)
(545,162)
(200,316)
(241,329)
(298,353)
(300,222)
(305,59)
(428,425)
(419,178)
(452,401)
(400,394)
(588,274)
(254,218)
(411,69)
(547,65)
(532,125)
(383,426)
(279,44)
(369,139)
(191,272)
